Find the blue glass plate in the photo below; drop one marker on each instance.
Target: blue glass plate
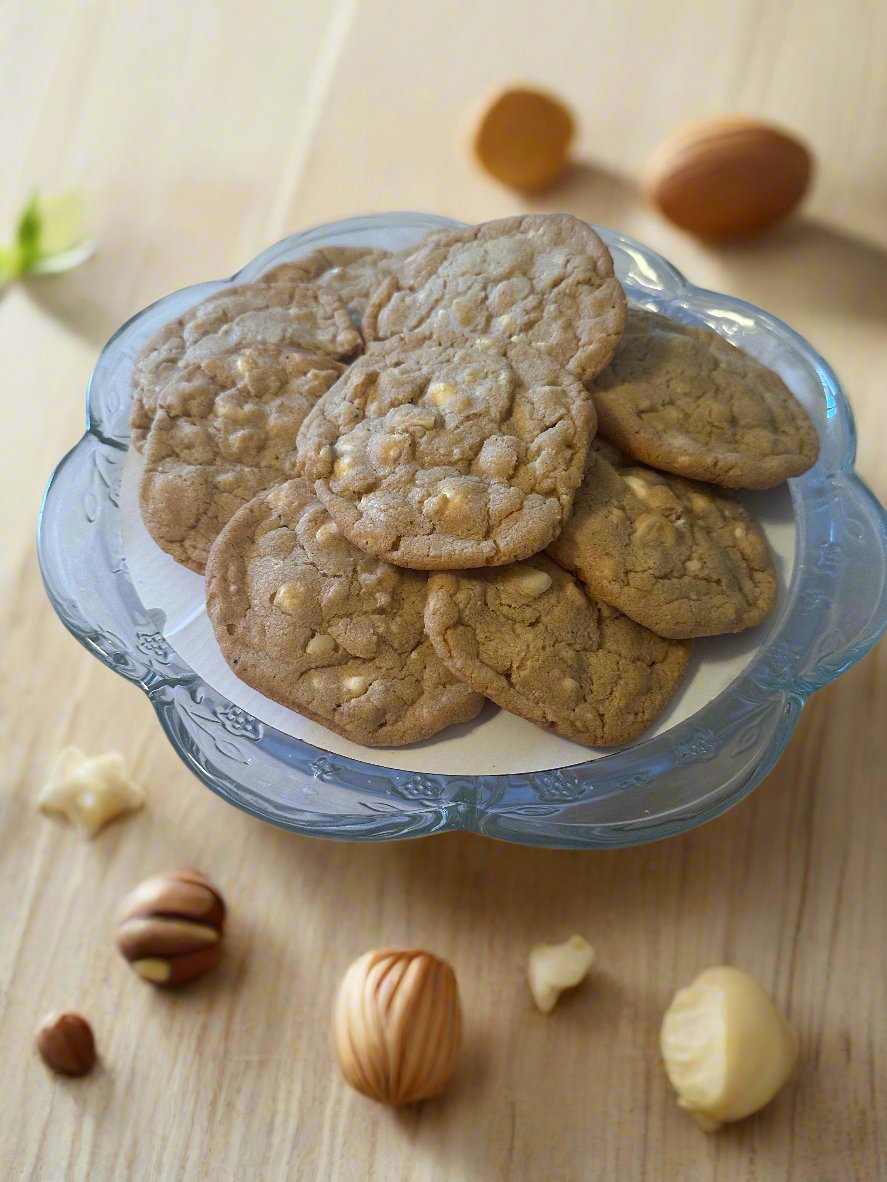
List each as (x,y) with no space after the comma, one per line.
(831,613)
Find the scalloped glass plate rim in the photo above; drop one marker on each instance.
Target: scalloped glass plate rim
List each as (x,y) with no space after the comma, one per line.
(725,749)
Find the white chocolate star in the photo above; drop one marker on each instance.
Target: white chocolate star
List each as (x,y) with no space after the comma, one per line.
(89,790)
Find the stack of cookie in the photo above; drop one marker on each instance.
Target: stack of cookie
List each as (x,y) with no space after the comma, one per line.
(505,485)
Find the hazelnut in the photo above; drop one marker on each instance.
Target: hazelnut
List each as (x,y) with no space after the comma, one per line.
(555,967)
(397,1025)
(66,1044)
(726,1047)
(171,927)
(522,137)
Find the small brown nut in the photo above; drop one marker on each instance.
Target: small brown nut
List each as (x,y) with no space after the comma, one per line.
(66,1044)
(727,176)
(397,1025)
(170,927)
(522,137)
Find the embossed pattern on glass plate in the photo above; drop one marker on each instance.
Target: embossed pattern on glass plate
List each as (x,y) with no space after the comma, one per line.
(834,612)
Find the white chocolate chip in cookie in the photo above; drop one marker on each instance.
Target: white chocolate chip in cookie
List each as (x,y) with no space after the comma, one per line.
(355,686)
(699,504)
(440,393)
(653,527)
(421,419)
(529,582)
(343,465)
(289,597)
(321,645)
(328,530)
(638,486)
(276,497)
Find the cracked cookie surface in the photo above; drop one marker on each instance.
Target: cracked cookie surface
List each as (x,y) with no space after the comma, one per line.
(532,640)
(300,315)
(224,431)
(685,400)
(545,277)
(335,634)
(353,272)
(449,453)
(682,558)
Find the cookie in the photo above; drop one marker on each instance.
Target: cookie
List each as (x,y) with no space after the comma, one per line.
(225,430)
(298,315)
(532,640)
(685,400)
(440,453)
(308,620)
(352,272)
(681,558)
(547,278)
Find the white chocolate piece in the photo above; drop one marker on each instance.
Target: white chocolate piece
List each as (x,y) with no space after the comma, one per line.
(289,597)
(277,497)
(89,791)
(638,486)
(555,967)
(320,645)
(343,464)
(440,393)
(530,582)
(328,530)
(354,687)
(727,1049)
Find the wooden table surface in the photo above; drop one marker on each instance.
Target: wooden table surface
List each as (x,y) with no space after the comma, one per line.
(202,132)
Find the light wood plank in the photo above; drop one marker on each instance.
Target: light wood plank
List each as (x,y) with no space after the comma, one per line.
(263,118)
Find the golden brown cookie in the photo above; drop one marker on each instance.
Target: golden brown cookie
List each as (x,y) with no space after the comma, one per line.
(682,558)
(314,623)
(441,453)
(685,400)
(352,272)
(225,430)
(300,315)
(532,640)
(547,278)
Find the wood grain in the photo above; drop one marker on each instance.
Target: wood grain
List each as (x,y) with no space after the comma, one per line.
(203,132)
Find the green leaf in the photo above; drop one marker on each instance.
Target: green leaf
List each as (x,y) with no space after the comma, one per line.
(28,235)
(8,264)
(50,238)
